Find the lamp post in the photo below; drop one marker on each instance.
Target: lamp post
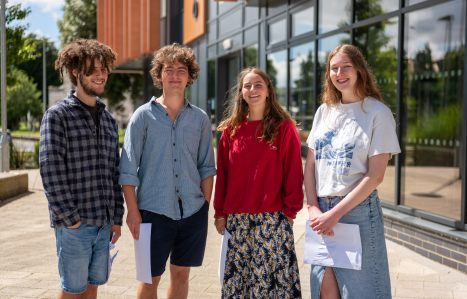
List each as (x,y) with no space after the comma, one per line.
(44,80)
(5,152)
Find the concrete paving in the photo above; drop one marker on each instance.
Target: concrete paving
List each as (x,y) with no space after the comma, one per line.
(28,261)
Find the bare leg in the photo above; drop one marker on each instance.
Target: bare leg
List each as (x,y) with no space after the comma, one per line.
(178,286)
(90,293)
(148,291)
(65,295)
(329,286)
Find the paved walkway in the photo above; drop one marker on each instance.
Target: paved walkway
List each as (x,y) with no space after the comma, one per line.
(28,262)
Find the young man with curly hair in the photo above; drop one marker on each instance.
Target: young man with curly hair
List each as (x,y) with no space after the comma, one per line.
(168,155)
(78,159)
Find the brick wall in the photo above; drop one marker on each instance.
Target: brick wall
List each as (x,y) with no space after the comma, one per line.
(446,250)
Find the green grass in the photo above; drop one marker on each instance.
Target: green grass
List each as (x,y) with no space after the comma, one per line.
(25,132)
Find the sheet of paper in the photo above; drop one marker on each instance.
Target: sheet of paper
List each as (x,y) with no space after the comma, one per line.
(111,257)
(225,241)
(343,250)
(143,254)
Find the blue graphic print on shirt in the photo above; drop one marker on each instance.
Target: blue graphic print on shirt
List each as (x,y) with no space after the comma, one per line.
(325,150)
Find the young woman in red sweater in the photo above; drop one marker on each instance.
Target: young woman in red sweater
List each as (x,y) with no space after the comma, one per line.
(258,192)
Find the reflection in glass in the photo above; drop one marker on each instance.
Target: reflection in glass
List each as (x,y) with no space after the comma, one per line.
(333,14)
(325,46)
(365,9)
(250,55)
(212,9)
(211,109)
(237,45)
(276,6)
(303,21)
(277,31)
(251,14)
(212,51)
(412,2)
(301,87)
(378,43)
(212,36)
(433,103)
(251,36)
(225,6)
(277,71)
(230,22)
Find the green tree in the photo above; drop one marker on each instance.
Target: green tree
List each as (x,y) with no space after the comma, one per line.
(33,68)
(79,20)
(22,97)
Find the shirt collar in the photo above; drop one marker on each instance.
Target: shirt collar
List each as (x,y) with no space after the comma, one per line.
(74,101)
(187,103)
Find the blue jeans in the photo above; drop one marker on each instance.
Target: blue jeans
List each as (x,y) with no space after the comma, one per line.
(83,256)
(372,282)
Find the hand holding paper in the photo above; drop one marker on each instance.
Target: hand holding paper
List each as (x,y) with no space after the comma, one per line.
(343,250)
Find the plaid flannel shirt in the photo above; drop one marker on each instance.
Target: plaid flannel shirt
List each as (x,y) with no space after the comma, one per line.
(79,171)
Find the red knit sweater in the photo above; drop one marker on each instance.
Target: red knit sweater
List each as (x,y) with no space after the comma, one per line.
(256,177)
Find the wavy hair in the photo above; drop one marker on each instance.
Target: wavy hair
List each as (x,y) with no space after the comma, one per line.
(237,109)
(365,85)
(168,55)
(75,54)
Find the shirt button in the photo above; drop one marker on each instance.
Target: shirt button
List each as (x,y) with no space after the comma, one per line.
(166,114)
(176,175)
(174,144)
(174,128)
(177,191)
(175,160)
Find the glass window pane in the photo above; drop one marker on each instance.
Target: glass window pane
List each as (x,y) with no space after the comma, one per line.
(230,22)
(277,71)
(251,35)
(365,9)
(277,31)
(236,45)
(212,94)
(333,14)
(302,66)
(276,6)
(303,21)
(378,43)
(411,2)
(251,14)
(212,36)
(212,9)
(433,103)
(250,56)
(212,51)
(225,6)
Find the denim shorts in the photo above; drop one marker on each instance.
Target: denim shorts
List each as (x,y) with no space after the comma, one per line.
(372,281)
(183,240)
(83,256)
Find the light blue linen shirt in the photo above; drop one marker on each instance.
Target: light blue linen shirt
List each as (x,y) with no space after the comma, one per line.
(166,160)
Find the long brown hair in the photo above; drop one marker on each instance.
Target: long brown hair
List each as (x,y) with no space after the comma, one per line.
(365,85)
(237,109)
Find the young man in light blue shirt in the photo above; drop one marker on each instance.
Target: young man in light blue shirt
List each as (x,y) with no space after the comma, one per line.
(168,155)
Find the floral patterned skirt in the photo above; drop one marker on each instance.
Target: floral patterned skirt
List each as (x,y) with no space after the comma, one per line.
(261,260)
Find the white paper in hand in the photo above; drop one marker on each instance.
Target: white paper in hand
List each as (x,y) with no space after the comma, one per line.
(111,258)
(224,245)
(343,250)
(143,254)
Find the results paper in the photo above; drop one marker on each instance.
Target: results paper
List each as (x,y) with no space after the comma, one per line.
(343,250)
(143,254)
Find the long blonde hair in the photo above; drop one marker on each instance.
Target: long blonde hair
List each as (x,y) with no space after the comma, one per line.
(365,85)
(237,109)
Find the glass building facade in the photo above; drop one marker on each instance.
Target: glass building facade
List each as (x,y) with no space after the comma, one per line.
(416,50)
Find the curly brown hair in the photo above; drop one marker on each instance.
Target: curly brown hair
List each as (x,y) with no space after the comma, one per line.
(365,85)
(75,55)
(238,110)
(169,55)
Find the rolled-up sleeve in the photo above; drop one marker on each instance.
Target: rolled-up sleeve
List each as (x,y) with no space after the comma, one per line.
(132,150)
(206,163)
(53,169)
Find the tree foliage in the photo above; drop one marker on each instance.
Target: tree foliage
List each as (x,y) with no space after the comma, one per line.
(34,68)
(79,20)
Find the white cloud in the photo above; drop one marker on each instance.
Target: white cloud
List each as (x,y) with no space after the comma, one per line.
(47,5)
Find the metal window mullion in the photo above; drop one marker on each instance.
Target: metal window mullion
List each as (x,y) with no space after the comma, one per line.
(315,77)
(463,221)
(352,21)
(399,110)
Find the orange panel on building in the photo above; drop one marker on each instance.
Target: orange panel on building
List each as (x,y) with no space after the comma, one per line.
(129,27)
(194,20)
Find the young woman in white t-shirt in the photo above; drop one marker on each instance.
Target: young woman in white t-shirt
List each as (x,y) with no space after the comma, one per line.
(352,139)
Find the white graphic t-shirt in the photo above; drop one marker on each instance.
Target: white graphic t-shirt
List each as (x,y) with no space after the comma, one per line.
(344,139)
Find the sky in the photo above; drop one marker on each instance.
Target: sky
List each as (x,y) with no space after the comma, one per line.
(43,17)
